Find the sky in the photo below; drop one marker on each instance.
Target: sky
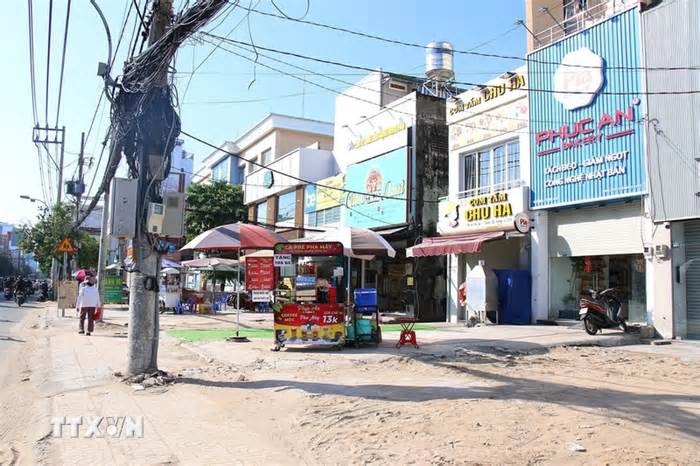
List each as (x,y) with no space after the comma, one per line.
(227,94)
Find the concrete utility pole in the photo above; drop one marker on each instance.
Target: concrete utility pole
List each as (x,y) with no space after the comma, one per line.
(144,282)
(148,92)
(81,159)
(104,247)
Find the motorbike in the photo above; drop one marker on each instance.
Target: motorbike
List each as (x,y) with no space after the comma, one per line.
(8,293)
(601,310)
(20,298)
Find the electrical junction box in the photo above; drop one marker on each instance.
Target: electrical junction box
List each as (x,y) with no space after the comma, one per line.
(662,252)
(156,216)
(122,207)
(174,221)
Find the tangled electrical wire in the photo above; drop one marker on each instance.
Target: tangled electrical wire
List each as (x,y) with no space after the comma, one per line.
(144,103)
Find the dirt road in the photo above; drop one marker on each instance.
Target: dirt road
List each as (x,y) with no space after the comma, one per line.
(247,405)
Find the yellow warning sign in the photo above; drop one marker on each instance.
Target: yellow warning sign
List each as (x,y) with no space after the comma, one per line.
(65,246)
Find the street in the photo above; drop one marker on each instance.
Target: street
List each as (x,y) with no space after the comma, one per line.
(464,399)
(10,315)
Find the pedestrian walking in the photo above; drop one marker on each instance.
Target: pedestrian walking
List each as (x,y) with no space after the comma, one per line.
(88,301)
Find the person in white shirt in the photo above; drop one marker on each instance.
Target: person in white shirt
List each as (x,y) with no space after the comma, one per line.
(88,301)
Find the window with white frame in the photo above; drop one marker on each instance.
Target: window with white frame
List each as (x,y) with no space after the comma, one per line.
(252,165)
(261,213)
(220,171)
(323,217)
(491,168)
(266,157)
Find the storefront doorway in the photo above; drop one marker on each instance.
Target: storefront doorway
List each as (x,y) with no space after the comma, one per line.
(572,277)
(692,277)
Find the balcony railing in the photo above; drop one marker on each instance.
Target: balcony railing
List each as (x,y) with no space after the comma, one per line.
(582,20)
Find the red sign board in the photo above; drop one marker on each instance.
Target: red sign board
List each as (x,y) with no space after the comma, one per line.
(325,248)
(296,315)
(259,273)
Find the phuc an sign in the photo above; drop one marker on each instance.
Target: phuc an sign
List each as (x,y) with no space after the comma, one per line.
(586,115)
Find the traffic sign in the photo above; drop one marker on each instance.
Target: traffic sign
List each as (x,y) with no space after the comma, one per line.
(65,246)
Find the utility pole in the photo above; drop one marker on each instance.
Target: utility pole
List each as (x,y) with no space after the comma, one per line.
(80,186)
(104,247)
(145,126)
(38,138)
(59,188)
(144,283)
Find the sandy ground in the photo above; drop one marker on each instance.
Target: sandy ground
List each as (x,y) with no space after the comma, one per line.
(243,404)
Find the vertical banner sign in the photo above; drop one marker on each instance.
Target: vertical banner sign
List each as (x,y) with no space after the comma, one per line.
(259,273)
(586,116)
(383,180)
(112,289)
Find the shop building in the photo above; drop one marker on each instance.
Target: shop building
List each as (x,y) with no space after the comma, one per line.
(391,145)
(488,185)
(673,150)
(275,195)
(588,169)
(267,141)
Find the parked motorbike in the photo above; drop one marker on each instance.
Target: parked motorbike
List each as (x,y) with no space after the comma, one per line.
(20,298)
(8,293)
(601,310)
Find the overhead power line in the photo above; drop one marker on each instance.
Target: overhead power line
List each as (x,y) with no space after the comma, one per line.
(301,180)
(32,73)
(464,83)
(360,99)
(457,51)
(48,64)
(63,62)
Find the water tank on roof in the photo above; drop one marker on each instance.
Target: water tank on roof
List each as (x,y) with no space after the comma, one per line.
(438,61)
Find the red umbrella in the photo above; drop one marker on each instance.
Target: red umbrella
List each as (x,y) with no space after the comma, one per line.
(82,273)
(234,237)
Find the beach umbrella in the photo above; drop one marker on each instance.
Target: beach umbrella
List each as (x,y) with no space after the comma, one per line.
(169,271)
(234,237)
(359,243)
(216,264)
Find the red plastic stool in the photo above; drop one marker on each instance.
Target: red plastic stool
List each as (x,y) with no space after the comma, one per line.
(408,335)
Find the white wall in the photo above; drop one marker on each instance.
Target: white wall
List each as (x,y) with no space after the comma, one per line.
(307,164)
(539,264)
(359,108)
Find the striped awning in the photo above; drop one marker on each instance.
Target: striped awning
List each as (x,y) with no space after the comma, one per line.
(457,244)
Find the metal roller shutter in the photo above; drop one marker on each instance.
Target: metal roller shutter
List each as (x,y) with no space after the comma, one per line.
(692,277)
(596,231)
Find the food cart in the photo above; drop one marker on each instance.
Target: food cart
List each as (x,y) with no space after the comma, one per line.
(308,309)
(169,294)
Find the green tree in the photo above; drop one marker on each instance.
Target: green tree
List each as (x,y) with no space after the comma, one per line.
(212,205)
(53,224)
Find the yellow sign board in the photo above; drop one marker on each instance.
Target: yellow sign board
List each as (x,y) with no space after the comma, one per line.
(65,246)
(328,197)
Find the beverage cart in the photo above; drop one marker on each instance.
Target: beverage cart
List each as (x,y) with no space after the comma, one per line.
(307,308)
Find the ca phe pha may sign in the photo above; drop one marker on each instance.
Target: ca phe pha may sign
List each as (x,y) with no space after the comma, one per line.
(494,211)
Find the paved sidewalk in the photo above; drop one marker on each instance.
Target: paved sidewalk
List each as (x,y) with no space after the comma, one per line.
(76,377)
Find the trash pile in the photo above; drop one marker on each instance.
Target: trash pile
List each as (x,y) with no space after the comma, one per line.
(143,381)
